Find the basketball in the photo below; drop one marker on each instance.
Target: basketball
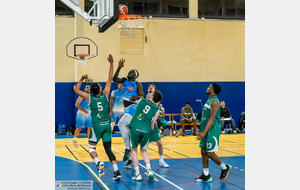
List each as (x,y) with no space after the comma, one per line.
(123,10)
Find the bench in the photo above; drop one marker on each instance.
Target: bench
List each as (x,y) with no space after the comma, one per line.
(178,120)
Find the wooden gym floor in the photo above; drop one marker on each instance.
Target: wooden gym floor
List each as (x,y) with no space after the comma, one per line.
(182,154)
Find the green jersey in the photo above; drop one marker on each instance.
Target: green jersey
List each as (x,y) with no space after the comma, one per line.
(144,114)
(216,126)
(187,113)
(99,108)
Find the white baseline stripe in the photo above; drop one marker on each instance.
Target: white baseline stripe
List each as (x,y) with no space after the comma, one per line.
(153,172)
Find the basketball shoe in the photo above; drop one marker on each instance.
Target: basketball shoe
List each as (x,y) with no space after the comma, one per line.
(224,173)
(204,178)
(137,177)
(75,142)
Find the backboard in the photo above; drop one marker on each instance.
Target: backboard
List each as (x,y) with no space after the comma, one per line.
(104,13)
(81,45)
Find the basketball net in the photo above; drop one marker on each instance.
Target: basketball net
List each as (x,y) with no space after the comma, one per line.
(129,24)
(82,59)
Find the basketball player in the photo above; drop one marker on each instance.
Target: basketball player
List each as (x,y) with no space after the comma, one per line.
(131,88)
(83,118)
(140,126)
(116,105)
(154,134)
(210,131)
(98,102)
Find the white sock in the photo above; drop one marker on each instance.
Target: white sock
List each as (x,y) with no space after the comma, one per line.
(223,167)
(96,160)
(205,171)
(115,166)
(137,171)
(148,167)
(161,158)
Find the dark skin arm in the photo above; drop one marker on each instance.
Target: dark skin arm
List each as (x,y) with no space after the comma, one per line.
(116,78)
(140,92)
(213,113)
(111,105)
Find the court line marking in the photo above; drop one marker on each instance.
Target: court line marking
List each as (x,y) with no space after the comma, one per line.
(103,184)
(231,151)
(154,178)
(109,170)
(153,172)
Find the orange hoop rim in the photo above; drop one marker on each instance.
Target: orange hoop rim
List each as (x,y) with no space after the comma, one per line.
(129,17)
(82,55)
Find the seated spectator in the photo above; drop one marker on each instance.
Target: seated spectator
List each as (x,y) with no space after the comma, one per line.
(242,122)
(187,116)
(226,118)
(161,122)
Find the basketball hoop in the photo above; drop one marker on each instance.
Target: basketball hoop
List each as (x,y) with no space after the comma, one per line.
(129,24)
(82,59)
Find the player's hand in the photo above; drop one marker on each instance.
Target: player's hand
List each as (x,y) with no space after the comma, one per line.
(110,58)
(121,62)
(86,112)
(134,98)
(111,114)
(200,135)
(84,77)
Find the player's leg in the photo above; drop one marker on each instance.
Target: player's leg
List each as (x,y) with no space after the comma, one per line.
(88,125)
(135,139)
(80,122)
(205,177)
(182,122)
(129,161)
(212,146)
(195,126)
(94,137)
(76,133)
(145,139)
(112,126)
(233,126)
(124,121)
(161,154)
(222,126)
(106,138)
(88,132)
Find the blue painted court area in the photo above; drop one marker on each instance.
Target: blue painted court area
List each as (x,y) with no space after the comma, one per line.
(180,175)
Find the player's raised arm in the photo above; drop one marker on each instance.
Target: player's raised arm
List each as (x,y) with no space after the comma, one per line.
(140,89)
(107,88)
(112,97)
(116,78)
(82,94)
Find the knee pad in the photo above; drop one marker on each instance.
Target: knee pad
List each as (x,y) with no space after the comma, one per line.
(92,148)
(110,154)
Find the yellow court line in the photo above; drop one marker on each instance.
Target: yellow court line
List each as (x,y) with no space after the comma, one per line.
(154,178)
(92,173)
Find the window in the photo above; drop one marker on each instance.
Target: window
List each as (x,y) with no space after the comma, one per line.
(230,9)
(62,9)
(161,8)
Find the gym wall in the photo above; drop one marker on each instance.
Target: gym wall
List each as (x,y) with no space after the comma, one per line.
(181,56)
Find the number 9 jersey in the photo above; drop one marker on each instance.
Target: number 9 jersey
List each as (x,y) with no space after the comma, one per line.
(144,114)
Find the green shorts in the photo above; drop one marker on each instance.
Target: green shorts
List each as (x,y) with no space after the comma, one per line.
(138,136)
(164,122)
(210,142)
(100,130)
(154,134)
